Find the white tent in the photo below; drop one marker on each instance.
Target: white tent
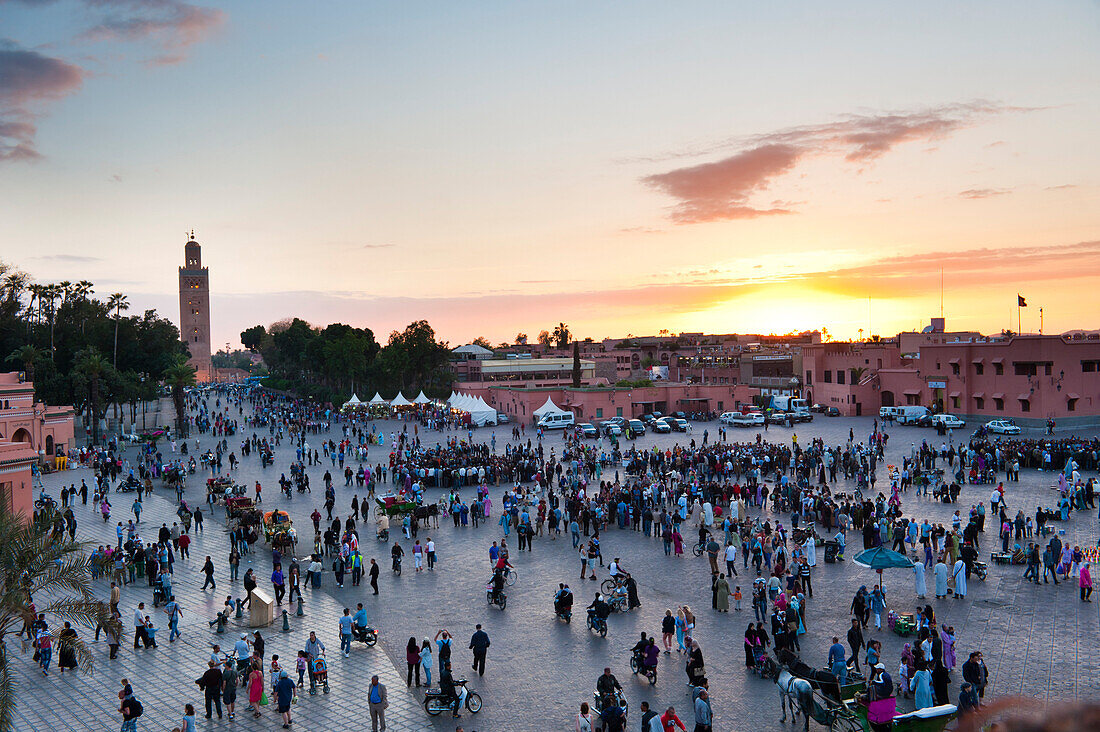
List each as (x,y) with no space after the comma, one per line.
(451,398)
(421,398)
(400,401)
(481,413)
(378,399)
(353,401)
(548,408)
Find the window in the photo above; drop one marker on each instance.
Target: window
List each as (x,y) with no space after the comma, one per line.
(618,411)
(954,369)
(999,369)
(954,402)
(937,365)
(998,404)
(1046,368)
(1025,368)
(599,412)
(809,378)
(979,369)
(828,377)
(840,376)
(1071,405)
(1025,405)
(1090,367)
(979,403)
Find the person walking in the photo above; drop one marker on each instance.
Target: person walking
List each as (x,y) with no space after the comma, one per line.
(229,688)
(285,691)
(412,659)
(345,632)
(1085,582)
(377,701)
(373,573)
(208,570)
(703,712)
(479,642)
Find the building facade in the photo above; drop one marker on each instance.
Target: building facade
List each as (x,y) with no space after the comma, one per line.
(46,430)
(1027,378)
(195,310)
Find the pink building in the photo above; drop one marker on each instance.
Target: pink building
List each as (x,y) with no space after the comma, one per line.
(1028,378)
(46,430)
(599,403)
(16,482)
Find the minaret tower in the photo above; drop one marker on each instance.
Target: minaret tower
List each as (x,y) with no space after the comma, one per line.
(195,309)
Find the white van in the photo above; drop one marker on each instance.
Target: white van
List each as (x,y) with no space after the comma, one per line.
(558,421)
(910,415)
(751,419)
(888,413)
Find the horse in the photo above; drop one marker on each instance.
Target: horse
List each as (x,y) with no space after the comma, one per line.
(794,692)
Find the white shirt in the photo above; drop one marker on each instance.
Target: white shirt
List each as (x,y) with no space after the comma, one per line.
(431,546)
(139,617)
(731,553)
(613,568)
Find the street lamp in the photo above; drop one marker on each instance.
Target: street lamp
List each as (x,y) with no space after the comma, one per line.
(794,385)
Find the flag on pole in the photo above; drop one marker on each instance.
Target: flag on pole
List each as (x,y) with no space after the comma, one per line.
(1020,301)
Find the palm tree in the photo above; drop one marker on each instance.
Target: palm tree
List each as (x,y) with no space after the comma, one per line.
(179,377)
(562,335)
(117,302)
(53,573)
(53,293)
(26,356)
(92,367)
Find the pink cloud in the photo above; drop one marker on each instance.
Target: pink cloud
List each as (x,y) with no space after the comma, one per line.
(29,79)
(722,190)
(172,24)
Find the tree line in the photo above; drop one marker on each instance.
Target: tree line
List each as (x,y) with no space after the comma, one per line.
(331,363)
(83,350)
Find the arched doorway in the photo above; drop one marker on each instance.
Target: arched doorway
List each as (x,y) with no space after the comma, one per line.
(887,398)
(21,435)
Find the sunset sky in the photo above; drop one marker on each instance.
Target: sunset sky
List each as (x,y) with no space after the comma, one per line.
(496,167)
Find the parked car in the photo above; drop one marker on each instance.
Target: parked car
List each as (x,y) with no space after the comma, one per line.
(750,419)
(679,424)
(1002,427)
(660,427)
(778,418)
(949,421)
(637,427)
(679,415)
(588,429)
(819,408)
(725,417)
(611,429)
(502,418)
(649,419)
(832,412)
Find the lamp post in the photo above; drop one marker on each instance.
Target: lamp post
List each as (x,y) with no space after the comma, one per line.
(143,402)
(794,385)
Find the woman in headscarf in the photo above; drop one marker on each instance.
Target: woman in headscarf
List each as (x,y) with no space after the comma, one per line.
(947,635)
(922,687)
(941,680)
(695,669)
(752,642)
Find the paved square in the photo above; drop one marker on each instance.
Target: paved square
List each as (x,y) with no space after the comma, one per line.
(1038,641)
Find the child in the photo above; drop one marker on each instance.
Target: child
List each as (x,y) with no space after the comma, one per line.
(301,666)
(737,599)
(275,668)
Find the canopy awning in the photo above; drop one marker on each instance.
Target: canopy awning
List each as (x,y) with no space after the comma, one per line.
(999,395)
(954,395)
(378,399)
(953,360)
(1072,395)
(978,360)
(354,399)
(695,399)
(911,392)
(421,398)
(1024,397)
(998,360)
(978,395)
(644,401)
(400,401)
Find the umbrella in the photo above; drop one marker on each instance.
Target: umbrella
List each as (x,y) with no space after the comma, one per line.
(880,558)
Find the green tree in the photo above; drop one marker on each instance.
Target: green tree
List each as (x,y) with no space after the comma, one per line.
(483,342)
(544,337)
(576,365)
(26,356)
(92,367)
(117,302)
(178,378)
(253,338)
(521,339)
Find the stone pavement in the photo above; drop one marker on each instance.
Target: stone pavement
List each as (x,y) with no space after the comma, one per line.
(1038,641)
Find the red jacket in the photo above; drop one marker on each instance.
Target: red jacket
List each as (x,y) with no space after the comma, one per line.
(670,721)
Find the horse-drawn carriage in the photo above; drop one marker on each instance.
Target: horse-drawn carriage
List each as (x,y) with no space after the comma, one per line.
(175,476)
(130,484)
(235,506)
(392,505)
(225,488)
(279,530)
(818,699)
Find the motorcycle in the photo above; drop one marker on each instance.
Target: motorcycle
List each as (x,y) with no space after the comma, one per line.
(981,570)
(597,624)
(598,707)
(436,702)
(495,598)
(563,612)
(638,666)
(383,535)
(397,566)
(367,635)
